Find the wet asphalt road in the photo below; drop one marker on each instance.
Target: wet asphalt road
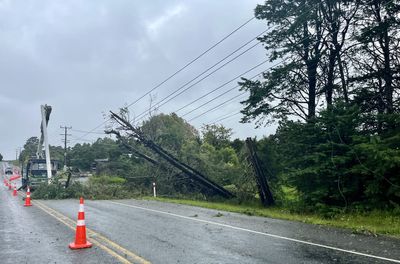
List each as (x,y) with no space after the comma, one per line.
(28,235)
(170,233)
(31,234)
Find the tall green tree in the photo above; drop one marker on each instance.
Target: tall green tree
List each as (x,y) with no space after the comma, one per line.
(336,94)
(296,41)
(338,18)
(29,150)
(377,79)
(216,135)
(170,131)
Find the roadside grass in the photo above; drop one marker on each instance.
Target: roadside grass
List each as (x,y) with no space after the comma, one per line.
(371,223)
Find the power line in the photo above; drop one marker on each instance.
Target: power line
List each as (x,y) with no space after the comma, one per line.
(219,105)
(220,95)
(176,72)
(75,139)
(143,114)
(202,54)
(214,108)
(89,132)
(192,61)
(213,99)
(224,118)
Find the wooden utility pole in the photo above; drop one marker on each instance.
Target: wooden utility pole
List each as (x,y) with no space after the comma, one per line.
(172,160)
(65,140)
(263,188)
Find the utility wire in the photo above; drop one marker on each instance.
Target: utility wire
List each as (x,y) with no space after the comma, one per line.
(217,106)
(143,114)
(168,98)
(211,67)
(176,72)
(192,61)
(209,101)
(202,54)
(299,42)
(218,96)
(224,118)
(219,87)
(237,86)
(89,132)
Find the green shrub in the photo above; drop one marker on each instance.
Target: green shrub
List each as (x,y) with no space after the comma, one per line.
(57,191)
(107,180)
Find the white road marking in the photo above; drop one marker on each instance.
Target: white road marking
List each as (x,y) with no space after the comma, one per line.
(260,233)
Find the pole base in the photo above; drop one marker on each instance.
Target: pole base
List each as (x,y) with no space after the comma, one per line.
(79,246)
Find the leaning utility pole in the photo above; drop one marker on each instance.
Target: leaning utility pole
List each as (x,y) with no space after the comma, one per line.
(267,199)
(191,172)
(65,144)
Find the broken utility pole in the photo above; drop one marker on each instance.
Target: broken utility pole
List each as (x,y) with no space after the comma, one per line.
(263,188)
(191,172)
(135,151)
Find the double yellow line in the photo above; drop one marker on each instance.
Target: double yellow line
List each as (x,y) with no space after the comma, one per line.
(122,254)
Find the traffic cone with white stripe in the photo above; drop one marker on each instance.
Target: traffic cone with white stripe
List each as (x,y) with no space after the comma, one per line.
(28,197)
(15,190)
(80,235)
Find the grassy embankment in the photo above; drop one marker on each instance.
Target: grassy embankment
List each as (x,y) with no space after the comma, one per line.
(375,222)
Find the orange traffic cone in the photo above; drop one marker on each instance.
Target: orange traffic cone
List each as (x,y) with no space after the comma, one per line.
(80,235)
(28,197)
(15,190)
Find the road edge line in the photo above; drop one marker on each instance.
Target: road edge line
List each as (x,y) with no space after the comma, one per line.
(261,233)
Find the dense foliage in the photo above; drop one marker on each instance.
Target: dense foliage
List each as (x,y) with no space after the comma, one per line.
(210,151)
(335,95)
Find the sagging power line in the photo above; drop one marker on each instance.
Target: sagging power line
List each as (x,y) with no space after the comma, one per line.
(176,72)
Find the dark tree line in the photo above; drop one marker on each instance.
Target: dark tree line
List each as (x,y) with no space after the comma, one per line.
(335,95)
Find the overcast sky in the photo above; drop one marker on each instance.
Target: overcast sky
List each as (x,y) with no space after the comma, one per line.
(85,58)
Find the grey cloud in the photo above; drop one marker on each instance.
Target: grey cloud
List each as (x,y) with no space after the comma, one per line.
(88,57)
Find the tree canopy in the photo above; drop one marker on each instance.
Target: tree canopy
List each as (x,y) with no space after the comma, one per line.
(335,94)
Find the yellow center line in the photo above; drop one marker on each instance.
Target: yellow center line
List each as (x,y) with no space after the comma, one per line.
(94,236)
(92,233)
(94,241)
